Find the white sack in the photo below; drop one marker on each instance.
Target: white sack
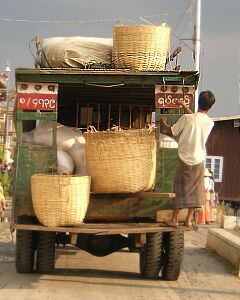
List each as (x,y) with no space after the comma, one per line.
(64,162)
(69,139)
(28,137)
(66,136)
(77,152)
(63,52)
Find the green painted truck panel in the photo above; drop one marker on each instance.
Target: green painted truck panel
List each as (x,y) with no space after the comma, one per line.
(30,160)
(126,207)
(165,171)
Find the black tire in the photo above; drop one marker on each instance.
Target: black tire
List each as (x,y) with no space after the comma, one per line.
(173,252)
(151,256)
(24,251)
(45,252)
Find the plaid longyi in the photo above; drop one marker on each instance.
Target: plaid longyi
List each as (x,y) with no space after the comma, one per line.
(189,185)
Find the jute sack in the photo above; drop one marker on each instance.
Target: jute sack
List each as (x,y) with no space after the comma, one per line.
(121,161)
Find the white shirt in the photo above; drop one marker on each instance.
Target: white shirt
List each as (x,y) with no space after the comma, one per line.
(207,184)
(193,131)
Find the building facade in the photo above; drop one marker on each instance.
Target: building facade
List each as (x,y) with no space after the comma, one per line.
(223,150)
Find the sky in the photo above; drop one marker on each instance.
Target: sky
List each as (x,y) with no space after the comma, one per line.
(21,21)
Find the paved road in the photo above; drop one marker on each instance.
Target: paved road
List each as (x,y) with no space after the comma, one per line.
(80,275)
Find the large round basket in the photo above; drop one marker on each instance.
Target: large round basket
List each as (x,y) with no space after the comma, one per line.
(141,47)
(121,161)
(60,200)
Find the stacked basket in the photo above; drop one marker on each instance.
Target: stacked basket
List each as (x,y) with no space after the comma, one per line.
(141,47)
(121,161)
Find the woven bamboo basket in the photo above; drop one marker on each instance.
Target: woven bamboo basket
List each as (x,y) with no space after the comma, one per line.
(60,200)
(121,161)
(141,47)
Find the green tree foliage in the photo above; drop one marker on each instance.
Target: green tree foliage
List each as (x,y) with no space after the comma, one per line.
(5,178)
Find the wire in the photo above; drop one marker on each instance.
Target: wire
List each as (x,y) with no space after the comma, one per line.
(189,9)
(89,21)
(202,71)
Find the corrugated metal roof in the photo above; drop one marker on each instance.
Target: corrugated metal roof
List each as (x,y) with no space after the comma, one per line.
(226,118)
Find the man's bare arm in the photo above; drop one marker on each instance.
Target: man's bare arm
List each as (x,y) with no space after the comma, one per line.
(184,106)
(165,125)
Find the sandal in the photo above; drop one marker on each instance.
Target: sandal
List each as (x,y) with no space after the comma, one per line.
(172,224)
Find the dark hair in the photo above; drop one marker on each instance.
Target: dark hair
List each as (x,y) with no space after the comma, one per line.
(206,100)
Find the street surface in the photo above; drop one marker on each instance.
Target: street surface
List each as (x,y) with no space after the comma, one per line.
(79,275)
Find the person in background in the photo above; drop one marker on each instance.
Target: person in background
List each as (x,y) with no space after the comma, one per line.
(1,166)
(213,199)
(193,130)
(2,203)
(205,216)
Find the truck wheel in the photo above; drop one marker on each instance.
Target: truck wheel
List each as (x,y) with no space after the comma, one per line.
(173,251)
(151,256)
(24,251)
(45,252)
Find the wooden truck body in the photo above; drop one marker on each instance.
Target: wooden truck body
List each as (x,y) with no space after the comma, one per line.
(78,98)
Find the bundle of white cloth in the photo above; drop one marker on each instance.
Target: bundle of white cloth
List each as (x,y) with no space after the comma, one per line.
(74,52)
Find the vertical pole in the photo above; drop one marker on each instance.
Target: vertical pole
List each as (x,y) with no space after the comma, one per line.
(77,115)
(197,45)
(119,115)
(197,36)
(130,116)
(109,116)
(5,136)
(98,117)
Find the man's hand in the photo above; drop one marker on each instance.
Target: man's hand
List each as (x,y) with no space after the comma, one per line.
(181,102)
(165,125)
(162,121)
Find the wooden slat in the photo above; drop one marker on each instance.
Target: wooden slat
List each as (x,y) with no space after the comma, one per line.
(21,115)
(155,195)
(166,215)
(105,229)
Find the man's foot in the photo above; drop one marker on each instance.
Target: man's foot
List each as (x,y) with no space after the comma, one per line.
(188,224)
(172,224)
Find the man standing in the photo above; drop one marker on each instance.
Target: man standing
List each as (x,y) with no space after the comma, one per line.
(205,214)
(193,130)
